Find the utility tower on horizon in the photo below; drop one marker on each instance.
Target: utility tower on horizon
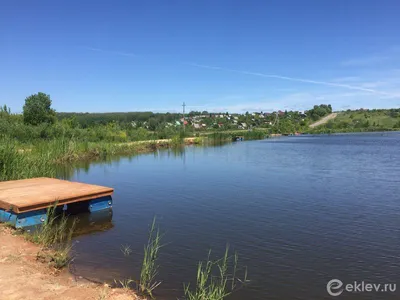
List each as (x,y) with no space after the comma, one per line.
(183,115)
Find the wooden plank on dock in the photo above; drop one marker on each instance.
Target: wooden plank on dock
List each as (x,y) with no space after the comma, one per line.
(37,193)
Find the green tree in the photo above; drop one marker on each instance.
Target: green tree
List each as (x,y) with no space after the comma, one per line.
(319,111)
(37,109)
(5,110)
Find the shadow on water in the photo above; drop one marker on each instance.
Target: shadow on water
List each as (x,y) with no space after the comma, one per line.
(86,223)
(91,223)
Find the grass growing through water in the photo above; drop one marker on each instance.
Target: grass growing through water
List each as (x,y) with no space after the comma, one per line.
(225,136)
(214,280)
(254,135)
(149,271)
(55,238)
(126,250)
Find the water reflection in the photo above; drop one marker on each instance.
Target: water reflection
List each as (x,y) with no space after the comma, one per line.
(68,170)
(90,223)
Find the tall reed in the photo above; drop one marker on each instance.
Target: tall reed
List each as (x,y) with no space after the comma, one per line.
(149,270)
(214,280)
(17,162)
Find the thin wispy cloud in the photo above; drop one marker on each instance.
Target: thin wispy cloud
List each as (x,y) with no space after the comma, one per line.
(300,101)
(347,79)
(325,83)
(390,54)
(304,80)
(305,100)
(366,61)
(374,88)
(120,53)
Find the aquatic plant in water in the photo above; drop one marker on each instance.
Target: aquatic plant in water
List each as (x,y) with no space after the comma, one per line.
(149,271)
(214,280)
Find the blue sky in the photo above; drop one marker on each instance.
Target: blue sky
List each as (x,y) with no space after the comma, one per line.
(100,56)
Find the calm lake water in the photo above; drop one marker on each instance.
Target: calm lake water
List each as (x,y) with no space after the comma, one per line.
(299,211)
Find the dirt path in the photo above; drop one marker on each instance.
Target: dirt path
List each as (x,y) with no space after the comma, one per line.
(188,141)
(324,120)
(22,277)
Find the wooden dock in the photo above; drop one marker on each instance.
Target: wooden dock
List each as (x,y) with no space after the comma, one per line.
(21,199)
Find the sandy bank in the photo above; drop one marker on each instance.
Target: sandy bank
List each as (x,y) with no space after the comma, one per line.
(23,277)
(324,120)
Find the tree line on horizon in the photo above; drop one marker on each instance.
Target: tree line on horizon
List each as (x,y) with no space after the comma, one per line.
(153,121)
(38,111)
(40,120)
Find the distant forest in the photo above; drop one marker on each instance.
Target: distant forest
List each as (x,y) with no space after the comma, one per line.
(154,119)
(91,119)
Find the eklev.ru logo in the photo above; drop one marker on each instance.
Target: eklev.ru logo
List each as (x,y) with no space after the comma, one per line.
(336,287)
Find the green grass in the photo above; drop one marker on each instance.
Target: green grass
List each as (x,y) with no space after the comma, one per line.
(216,279)
(149,270)
(19,163)
(374,118)
(124,283)
(24,157)
(54,230)
(147,282)
(39,159)
(225,136)
(362,121)
(177,141)
(55,236)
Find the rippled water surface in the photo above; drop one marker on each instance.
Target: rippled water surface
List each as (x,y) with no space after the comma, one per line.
(300,211)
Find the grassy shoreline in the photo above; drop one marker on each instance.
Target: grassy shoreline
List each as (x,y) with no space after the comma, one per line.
(20,160)
(40,157)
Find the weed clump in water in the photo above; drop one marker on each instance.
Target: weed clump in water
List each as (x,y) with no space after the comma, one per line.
(126,250)
(147,282)
(214,280)
(149,271)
